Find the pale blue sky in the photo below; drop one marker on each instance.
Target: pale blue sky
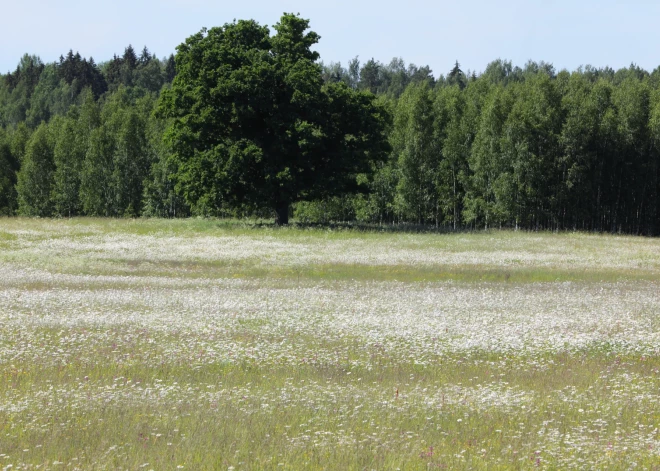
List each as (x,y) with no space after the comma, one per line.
(565,33)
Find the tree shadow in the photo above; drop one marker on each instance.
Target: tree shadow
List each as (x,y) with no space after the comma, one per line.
(402,228)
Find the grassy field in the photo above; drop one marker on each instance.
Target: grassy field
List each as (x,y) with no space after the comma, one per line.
(199,345)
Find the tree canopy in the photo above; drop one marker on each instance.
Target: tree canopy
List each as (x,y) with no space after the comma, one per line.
(250,122)
(253,122)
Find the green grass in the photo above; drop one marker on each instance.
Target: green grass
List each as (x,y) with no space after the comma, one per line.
(205,344)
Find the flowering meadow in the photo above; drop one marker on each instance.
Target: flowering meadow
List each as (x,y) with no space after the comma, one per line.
(198,344)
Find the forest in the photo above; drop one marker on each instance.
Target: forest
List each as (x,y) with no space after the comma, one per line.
(514,147)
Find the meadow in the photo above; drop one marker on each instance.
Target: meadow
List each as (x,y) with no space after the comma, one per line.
(201,344)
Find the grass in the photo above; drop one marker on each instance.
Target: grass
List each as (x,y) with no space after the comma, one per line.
(203,344)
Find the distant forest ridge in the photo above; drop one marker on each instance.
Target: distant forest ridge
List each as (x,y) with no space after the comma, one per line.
(526,147)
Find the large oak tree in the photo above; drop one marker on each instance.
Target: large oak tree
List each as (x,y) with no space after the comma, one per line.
(253,122)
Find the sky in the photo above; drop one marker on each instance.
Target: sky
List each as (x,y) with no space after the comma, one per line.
(435,33)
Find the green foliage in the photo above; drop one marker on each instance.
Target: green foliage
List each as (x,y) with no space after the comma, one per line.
(35,179)
(453,133)
(96,193)
(487,163)
(68,156)
(160,198)
(80,73)
(529,144)
(254,124)
(117,160)
(71,145)
(18,89)
(457,77)
(8,168)
(417,155)
(19,141)
(335,209)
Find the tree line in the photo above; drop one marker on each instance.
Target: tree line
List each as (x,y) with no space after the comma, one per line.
(521,147)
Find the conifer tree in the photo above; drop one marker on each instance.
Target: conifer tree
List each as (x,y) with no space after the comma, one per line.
(456,76)
(170,69)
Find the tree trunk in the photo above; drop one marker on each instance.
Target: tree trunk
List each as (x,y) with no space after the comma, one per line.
(282,214)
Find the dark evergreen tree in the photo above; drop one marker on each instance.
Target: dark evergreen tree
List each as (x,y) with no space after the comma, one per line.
(129,58)
(457,77)
(170,69)
(113,71)
(145,56)
(370,76)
